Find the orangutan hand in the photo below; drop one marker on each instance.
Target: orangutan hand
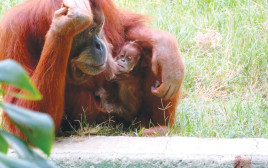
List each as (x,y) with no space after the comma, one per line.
(168,63)
(73,17)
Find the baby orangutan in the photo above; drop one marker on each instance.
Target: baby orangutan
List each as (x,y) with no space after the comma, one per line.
(126,99)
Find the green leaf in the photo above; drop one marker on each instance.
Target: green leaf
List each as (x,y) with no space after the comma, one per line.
(13,73)
(24,151)
(38,127)
(15,163)
(3,145)
(2,165)
(19,145)
(40,161)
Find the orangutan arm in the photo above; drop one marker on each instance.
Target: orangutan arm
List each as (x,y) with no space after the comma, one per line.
(50,72)
(166,60)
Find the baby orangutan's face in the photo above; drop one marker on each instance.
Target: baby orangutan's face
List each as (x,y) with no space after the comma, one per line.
(128,58)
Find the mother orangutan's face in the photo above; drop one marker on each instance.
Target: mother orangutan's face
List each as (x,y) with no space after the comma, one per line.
(88,55)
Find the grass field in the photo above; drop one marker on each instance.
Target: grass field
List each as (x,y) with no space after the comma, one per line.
(225,47)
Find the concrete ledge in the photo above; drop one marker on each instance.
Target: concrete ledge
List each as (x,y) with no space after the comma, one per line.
(158,152)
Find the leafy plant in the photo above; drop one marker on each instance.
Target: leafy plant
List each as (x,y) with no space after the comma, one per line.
(37,127)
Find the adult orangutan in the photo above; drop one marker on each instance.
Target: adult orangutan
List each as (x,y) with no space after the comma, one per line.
(58,43)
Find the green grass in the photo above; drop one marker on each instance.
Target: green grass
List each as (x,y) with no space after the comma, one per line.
(226,87)
(225,91)
(6,4)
